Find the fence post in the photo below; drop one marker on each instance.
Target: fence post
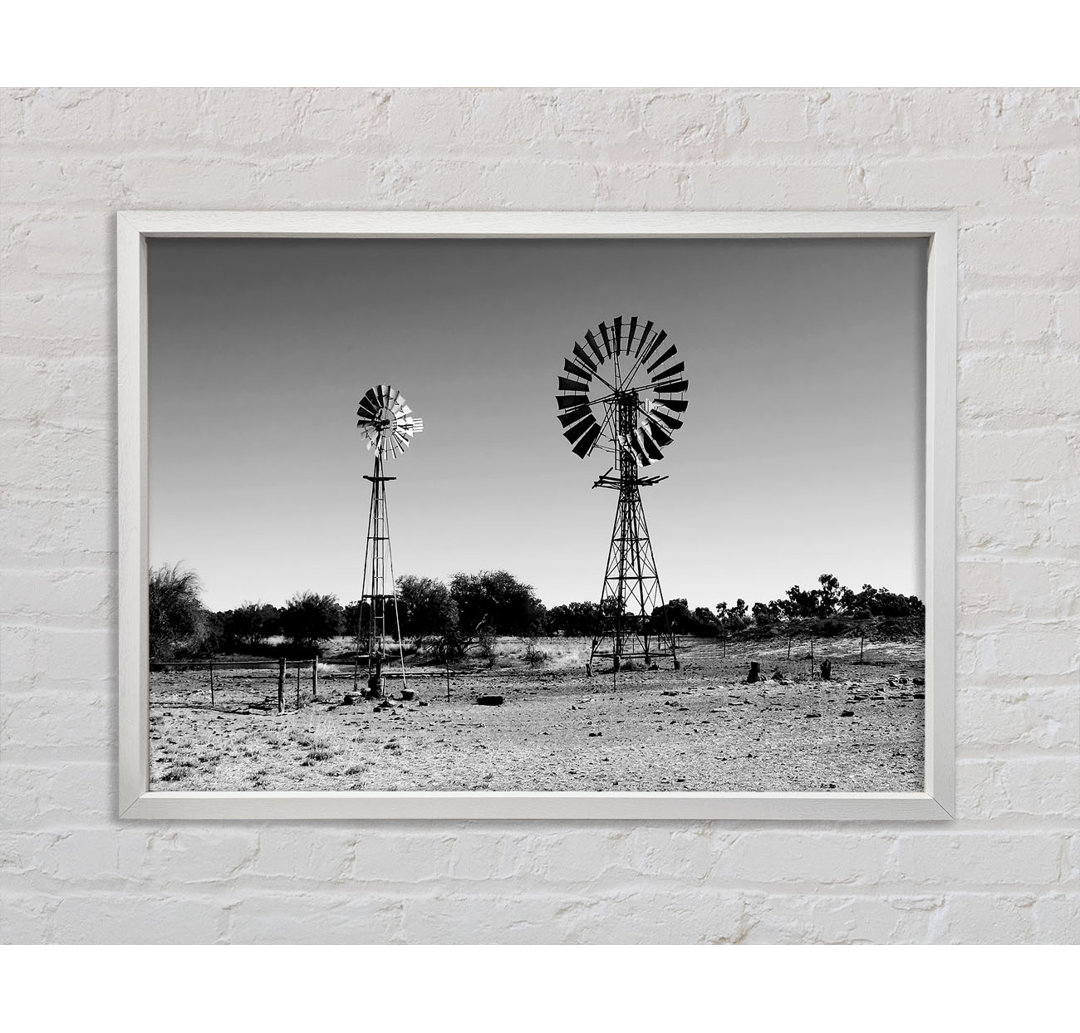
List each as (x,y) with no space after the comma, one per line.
(315,678)
(298,685)
(211,683)
(281,686)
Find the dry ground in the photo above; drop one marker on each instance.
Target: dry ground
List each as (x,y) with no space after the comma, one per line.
(699,728)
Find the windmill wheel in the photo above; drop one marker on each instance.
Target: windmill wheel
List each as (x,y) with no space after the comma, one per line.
(386,422)
(623,392)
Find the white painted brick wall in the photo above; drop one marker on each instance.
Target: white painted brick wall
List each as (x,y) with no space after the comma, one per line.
(1007,870)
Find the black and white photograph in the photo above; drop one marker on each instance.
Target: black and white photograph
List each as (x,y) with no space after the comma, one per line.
(537,515)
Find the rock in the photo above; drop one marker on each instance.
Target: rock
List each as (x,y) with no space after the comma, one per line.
(813,715)
(847,713)
(423,702)
(348,700)
(918,681)
(903,681)
(408,694)
(595,735)
(668,692)
(826,670)
(489,701)
(755,672)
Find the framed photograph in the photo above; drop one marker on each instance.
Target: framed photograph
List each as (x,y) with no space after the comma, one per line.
(537,515)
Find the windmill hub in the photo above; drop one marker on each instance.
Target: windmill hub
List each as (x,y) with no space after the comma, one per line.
(624,394)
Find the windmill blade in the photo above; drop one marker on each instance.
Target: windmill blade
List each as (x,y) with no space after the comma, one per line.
(672,423)
(660,436)
(578,429)
(605,333)
(417,425)
(670,372)
(587,441)
(618,333)
(661,336)
(578,371)
(644,338)
(674,404)
(674,387)
(590,340)
(566,401)
(369,405)
(663,358)
(649,445)
(566,384)
(573,415)
(584,356)
(630,334)
(638,452)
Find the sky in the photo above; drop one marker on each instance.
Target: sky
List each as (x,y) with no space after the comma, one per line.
(802,451)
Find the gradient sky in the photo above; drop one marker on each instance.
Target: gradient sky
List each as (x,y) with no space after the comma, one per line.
(802,450)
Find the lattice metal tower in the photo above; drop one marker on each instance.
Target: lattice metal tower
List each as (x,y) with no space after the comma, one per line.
(388,425)
(630,409)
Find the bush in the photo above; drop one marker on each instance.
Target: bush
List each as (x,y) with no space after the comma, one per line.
(176,616)
(534,655)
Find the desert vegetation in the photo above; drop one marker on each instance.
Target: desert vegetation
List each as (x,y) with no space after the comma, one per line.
(474,609)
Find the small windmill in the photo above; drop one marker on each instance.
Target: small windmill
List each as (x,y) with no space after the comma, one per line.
(388,425)
(624,393)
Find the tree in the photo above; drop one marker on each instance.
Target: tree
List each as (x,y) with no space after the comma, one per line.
(493,596)
(425,605)
(574,620)
(251,624)
(176,615)
(308,618)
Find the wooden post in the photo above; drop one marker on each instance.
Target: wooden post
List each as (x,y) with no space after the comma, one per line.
(281,686)
(298,669)
(789,647)
(446,660)
(811,655)
(211,683)
(862,639)
(315,678)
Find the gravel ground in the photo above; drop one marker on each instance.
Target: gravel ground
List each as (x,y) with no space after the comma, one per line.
(699,728)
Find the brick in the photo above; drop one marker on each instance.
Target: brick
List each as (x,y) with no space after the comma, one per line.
(1000,386)
(836,919)
(917,182)
(1034,716)
(989,918)
(1057,918)
(977,859)
(1022,249)
(145,918)
(358,916)
(1048,453)
(1008,316)
(57,721)
(187,856)
(59,530)
(778,857)
(749,186)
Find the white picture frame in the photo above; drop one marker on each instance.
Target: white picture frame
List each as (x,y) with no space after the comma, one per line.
(936,802)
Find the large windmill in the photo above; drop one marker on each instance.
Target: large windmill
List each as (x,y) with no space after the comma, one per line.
(388,425)
(624,393)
